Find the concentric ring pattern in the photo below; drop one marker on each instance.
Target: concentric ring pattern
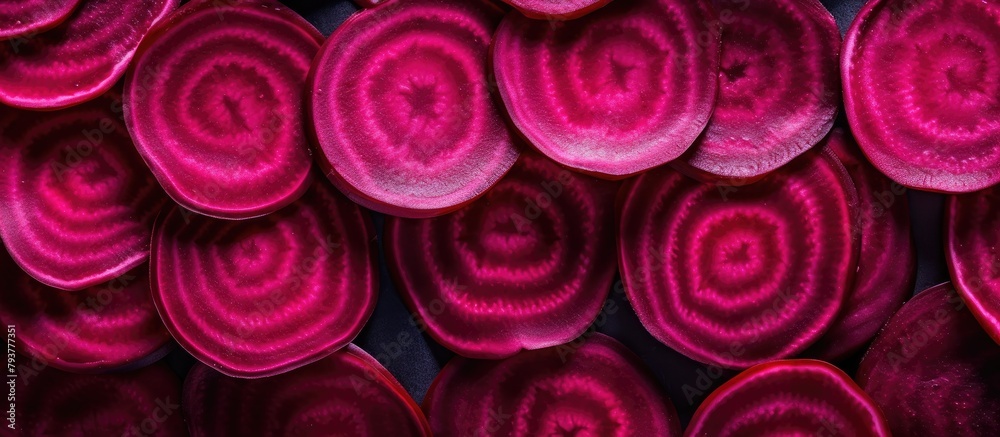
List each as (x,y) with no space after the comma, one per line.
(616,92)
(23,19)
(593,386)
(739,275)
(215,105)
(402,107)
(78,203)
(347,393)
(920,84)
(259,297)
(526,266)
(973,249)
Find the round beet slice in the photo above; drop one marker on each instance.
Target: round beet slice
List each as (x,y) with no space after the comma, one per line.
(887,264)
(259,297)
(109,327)
(736,276)
(556,9)
(593,386)
(779,88)
(617,92)
(789,397)
(973,249)
(144,402)
(526,266)
(347,393)
(26,18)
(920,87)
(216,105)
(933,370)
(81,58)
(77,203)
(402,110)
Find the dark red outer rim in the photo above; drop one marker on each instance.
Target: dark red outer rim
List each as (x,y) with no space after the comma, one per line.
(30,31)
(971,301)
(538,15)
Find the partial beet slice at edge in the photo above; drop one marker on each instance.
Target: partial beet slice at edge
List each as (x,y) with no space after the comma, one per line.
(23,19)
(973,251)
(556,9)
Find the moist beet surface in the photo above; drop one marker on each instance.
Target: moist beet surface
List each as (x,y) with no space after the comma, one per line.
(23,19)
(556,9)
(973,254)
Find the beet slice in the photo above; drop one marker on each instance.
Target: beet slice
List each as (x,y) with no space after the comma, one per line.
(789,397)
(259,297)
(402,111)
(110,327)
(973,249)
(145,402)
(933,370)
(779,88)
(77,203)
(216,106)
(81,58)
(736,276)
(887,265)
(591,386)
(919,90)
(27,18)
(527,266)
(556,9)
(614,93)
(347,393)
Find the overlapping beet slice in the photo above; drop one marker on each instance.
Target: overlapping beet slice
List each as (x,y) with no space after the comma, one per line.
(51,402)
(619,91)
(779,88)
(556,9)
(591,386)
(81,58)
(920,86)
(259,297)
(736,276)
(26,18)
(973,249)
(789,397)
(347,393)
(76,202)
(887,265)
(526,266)
(933,370)
(402,108)
(215,105)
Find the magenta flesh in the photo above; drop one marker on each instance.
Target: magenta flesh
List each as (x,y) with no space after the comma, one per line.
(739,275)
(527,266)
(24,19)
(402,107)
(77,203)
(51,402)
(259,297)
(81,58)
(590,387)
(790,397)
(347,393)
(617,92)
(973,250)
(920,84)
(887,265)
(216,105)
(556,9)
(933,370)
(779,87)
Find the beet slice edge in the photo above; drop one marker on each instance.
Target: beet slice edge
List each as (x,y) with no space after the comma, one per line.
(31,17)
(973,257)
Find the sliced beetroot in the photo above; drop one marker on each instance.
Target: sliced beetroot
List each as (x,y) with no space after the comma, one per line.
(81,58)
(77,203)
(789,397)
(590,387)
(27,18)
(933,370)
(779,88)
(614,93)
(556,9)
(887,265)
(402,110)
(736,276)
(920,91)
(347,393)
(527,266)
(215,104)
(259,297)
(144,402)
(973,248)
